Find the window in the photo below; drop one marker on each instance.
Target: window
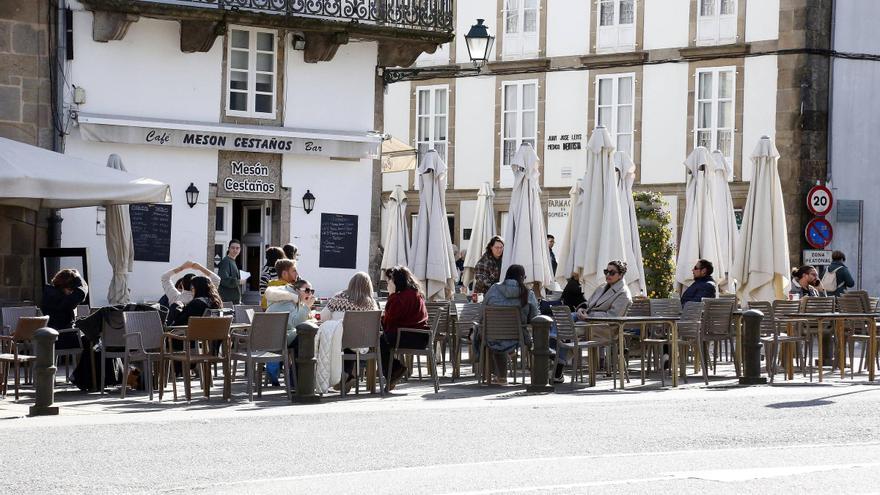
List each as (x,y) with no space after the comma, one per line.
(617,25)
(432,110)
(519,119)
(615,108)
(252,65)
(520,28)
(716,22)
(714,109)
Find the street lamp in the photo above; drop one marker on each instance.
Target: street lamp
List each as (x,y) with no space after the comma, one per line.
(308,201)
(192,195)
(479,45)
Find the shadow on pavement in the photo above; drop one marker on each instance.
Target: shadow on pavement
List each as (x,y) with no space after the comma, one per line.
(819,401)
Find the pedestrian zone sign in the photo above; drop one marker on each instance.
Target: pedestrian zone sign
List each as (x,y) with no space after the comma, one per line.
(817,257)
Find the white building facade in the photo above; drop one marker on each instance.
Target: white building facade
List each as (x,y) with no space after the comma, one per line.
(254,108)
(662,75)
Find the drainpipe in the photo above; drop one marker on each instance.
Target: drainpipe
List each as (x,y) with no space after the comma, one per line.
(830,133)
(55,219)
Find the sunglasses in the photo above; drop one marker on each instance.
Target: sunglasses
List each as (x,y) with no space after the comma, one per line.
(610,272)
(308,291)
(697,268)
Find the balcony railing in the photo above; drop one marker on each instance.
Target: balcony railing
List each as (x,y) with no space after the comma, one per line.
(433,15)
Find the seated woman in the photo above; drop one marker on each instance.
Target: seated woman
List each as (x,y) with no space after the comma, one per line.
(68,290)
(509,292)
(297,300)
(357,297)
(611,299)
(204,297)
(405,308)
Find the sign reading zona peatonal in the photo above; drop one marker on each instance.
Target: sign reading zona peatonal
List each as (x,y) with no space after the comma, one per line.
(819,200)
(819,233)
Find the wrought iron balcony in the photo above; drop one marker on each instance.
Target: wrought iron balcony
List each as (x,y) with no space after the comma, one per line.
(429,15)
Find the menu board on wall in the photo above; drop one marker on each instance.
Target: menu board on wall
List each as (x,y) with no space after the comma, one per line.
(338,241)
(151,231)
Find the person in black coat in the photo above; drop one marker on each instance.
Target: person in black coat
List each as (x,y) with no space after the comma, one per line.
(205,297)
(573,294)
(68,290)
(704,285)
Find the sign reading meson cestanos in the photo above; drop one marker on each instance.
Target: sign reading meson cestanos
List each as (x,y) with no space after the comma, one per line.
(249,176)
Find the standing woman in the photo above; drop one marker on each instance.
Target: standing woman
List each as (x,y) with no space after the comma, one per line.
(230,277)
(487,272)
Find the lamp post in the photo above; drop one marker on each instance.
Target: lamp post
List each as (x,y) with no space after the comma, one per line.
(192,195)
(479,45)
(308,201)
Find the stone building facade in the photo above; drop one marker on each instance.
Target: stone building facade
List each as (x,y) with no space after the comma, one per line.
(26,116)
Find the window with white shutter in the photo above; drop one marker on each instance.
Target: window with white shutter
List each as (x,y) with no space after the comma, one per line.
(716,22)
(252,62)
(519,122)
(714,108)
(615,108)
(520,28)
(616,25)
(432,112)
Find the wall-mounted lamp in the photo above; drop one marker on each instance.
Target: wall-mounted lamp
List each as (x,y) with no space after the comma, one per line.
(299,42)
(192,195)
(308,201)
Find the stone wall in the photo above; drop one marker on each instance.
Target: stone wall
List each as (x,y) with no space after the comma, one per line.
(802,109)
(26,116)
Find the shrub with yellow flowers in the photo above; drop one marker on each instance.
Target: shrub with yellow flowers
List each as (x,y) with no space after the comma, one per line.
(658,252)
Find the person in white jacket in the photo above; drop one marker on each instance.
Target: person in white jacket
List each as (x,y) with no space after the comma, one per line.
(177,289)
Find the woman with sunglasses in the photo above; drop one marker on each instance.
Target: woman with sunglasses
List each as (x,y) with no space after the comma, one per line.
(297,300)
(611,299)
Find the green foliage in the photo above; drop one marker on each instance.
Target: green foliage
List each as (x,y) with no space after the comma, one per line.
(655,234)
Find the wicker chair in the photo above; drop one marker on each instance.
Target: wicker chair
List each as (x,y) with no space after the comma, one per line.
(436,311)
(143,343)
(466,326)
(500,323)
(777,332)
(690,336)
(568,339)
(198,349)
(362,330)
(265,342)
(25,326)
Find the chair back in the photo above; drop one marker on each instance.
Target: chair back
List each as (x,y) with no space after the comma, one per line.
(731,297)
(641,306)
(783,307)
(863,298)
(438,317)
(471,313)
(665,307)
(208,327)
(146,323)
(361,329)
(692,312)
(228,305)
(240,314)
(853,303)
(460,298)
(502,323)
(768,324)
(564,324)
(717,316)
(817,304)
(13,313)
(268,332)
(874,304)
(25,327)
(83,310)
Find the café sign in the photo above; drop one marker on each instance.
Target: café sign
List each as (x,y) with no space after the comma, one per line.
(249,176)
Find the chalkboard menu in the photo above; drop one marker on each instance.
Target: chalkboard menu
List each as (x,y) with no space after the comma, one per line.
(151,231)
(338,241)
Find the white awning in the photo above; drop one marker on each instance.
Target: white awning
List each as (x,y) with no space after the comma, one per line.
(205,135)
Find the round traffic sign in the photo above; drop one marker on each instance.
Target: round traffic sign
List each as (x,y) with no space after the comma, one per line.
(819,200)
(819,233)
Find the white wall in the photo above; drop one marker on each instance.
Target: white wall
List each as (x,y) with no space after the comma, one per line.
(466,211)
(762,20)
(664,123)
(474,132)
(164,82)
(189,226)
(568,27)
(336,95)
(397,98)
(339,187)
(855,118)
(759,106)
(566,113)
(666,23)
(467,13)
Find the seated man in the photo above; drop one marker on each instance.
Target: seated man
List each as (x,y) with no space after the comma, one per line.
(293,296)
(290,277)
(704,285)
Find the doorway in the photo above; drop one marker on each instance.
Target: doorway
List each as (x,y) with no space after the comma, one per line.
(252,225)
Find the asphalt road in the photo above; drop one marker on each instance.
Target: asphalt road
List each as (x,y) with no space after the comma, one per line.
(727,440)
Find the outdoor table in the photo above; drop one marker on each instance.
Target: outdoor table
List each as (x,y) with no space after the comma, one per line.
(233,326)
(837,320)
(622,321)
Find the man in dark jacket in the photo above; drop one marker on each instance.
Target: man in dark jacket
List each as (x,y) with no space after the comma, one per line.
(704,285)
(843,279)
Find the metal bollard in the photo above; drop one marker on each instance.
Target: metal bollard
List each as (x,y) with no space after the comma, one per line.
(751,347)
(305,363)
(540,355)
(44,374)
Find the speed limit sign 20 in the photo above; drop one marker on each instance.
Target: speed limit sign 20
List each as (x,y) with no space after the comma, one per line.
(820,200)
